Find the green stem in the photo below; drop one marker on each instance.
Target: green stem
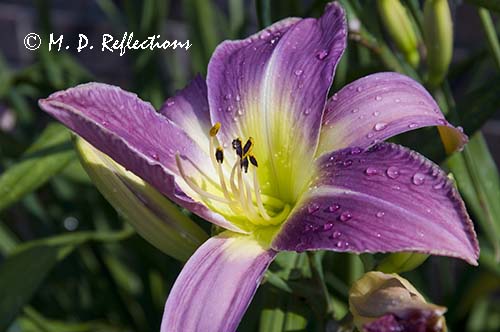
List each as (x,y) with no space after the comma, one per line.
(491,35)
(318,278)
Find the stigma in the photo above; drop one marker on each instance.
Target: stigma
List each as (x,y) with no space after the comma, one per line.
(237,189)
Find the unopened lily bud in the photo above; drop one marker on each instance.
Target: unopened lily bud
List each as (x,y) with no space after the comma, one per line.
(401,262)
(438,36)
(399,26)
(153,216)
(387,302)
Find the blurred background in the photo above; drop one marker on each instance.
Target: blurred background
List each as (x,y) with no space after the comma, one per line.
(68,262)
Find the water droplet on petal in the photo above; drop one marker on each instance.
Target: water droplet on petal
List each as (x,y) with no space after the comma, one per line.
(345,216)
(229,109)
(412,125)
(397,100)
(371,171)
(333,208)
(104,123)
(339,244)
(307,111)
(380,126)
(227,97)
(418,179)
(378,235)
(322,54)
(438,186)
(170,102)
(327,226)
(359,89)
(376,113)
(335,97)
(369,135)
(298,72)
(347,162)
(238,98)
(313,207)
(378,98)
(265,34)
(441,122)
(335,235)
(380,214)
(355,110)
(154,155)
(356,151)
(392,172)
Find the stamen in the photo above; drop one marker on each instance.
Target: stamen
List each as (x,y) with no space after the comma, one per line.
(258,198)
(219,155)
(237,146)
(215,129)
(253,161)
(248,147)
(194,186)
(244,164)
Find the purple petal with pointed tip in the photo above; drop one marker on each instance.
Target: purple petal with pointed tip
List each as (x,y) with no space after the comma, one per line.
(189,110)
(273,86)
(216,286)
(384,199)
(377,107)
(130,131)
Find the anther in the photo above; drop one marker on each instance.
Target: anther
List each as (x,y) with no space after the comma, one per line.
(253,160)
(219,155)
(244,164)
(237,146)
(248,147)
(215,129)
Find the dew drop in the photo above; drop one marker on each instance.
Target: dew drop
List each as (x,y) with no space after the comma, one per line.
(238,98)
(356,151)
(392,172)
(307,111)
(438,186)
(335,97)
(371,171)
(335,235)
(322,54)
(313,207)
(328,226)
(154,155)
(380,126)
(359,89)
(418,179)
(397,100)
(355,110)
(339,244)
(378,98)
(104,123)
(441,122)
(376,113)
(378,235)
(229,109)
(347,163)
(345,216)
(298,72)
(412,125)
(380,214)
(170,102)
(369,135)
(265,34)
(333,208)
(227,97)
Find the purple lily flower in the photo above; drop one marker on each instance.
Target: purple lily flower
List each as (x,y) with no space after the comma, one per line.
(259,150)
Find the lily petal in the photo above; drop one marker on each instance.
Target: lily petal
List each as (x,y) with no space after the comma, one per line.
(189,110)
(130,131)
(216,286)
(377,107)
(384,199)
(273,86)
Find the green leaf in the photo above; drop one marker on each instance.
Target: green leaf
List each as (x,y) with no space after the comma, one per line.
(477,177)
(27,266)
(489,4)
(44,159)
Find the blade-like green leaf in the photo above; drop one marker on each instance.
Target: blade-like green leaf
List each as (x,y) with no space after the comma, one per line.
(27,266)
(44,159)
(478,180)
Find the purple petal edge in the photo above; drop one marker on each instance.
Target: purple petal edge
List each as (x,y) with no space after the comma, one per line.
(216,285)
(129,130)
(377,107)
(384,199)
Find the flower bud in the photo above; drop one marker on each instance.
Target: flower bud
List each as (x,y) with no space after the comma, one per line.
(401,262)
(153,216)
(399,26)
(438,36)
(387,302)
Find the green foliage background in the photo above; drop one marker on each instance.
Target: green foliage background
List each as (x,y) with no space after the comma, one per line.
(69,263)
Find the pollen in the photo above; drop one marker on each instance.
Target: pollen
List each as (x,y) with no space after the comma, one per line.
(238,191)
(215,129)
